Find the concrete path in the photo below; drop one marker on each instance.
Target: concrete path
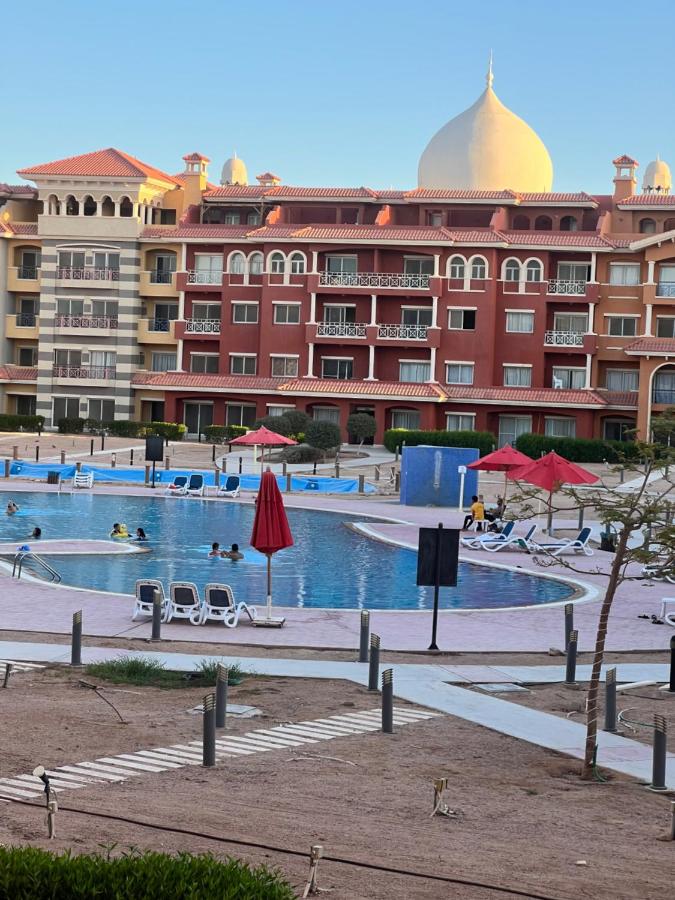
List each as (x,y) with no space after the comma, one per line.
(426,685)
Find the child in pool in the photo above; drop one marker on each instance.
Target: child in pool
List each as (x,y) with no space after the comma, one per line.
(12,508)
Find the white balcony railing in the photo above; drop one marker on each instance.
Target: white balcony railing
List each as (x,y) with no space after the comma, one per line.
(106,372)
(374,280)
(665,289)
(403,332)
(341,329)
(564,338)
(194,277)
(202,326)
(566,286)
(85,321)
(87,273)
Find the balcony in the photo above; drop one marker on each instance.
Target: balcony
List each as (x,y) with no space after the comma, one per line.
(202,281)
(200,329)
(570,342)
(23,325)
(402,332)
(341,329)
(371,282)
(665,289)
(97,373)
(94,276)
(97,322)
(567,287)
(158,284)
(23,278)
(156,331)
(664,396)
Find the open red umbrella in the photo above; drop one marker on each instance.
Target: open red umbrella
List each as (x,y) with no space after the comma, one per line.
(506,459)
(271,531)
(265,438)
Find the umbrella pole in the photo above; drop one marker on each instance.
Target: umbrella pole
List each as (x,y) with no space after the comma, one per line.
(506,484)
(269,585)
(549,518)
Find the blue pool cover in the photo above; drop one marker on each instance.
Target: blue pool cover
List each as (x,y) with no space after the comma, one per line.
(319,484)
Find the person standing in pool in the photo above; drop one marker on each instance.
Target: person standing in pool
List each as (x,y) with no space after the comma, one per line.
(12,508)
(37,532)
(233,553)
(215,550)
(140,535)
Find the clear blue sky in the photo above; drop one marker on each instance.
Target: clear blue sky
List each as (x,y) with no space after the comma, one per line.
(344,93)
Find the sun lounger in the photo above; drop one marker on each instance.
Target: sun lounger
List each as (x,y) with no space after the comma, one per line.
(515,542)
(579,544)
(83,480)
(231,487)
(488,537)
(184,602)
(195,485)
(220,606)
(178,488)
(145,595)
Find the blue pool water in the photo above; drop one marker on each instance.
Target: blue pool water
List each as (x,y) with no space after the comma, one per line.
(329,565)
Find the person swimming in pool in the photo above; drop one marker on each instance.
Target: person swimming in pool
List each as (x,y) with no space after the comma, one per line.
(233,553)
(215,550)
(119,531)
(37,532)
(140,535)
(12,508)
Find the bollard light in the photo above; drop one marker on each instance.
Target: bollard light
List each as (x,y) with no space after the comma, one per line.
(610,700)
(222,677)
(374,667)
(571,667)
(209,731)
(388,701)
(76,640)
(364,637)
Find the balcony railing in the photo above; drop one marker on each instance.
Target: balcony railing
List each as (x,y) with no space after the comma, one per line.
(663,395)
(341,329)
(160,277)
(85,321)
(564,338)
(566,286)
(163,325)
(26,320)
(665,289)
(107,372)
(202,326)
(403,332)
(374,280)
(194,277)
(27,272)
(87,273)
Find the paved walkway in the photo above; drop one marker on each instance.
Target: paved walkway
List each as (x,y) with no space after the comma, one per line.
(425,685)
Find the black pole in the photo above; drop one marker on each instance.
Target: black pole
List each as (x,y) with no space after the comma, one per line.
(659,755)
(388,701)
(221,696)
(363,643)
(240,465)
(610,700)
(37,453)
(671,687)
(569,622)
(437,585)
(76,641)
(571,668)
(209,731)
(131,457)
(153,473)
(103,440)
(156,615)
(91,447)
(213,453)
(374,670)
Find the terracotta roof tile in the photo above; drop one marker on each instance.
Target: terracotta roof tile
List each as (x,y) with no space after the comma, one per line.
(456,194)
(324,386)
(269,232)
(238,192)
(558,238)
(19,190)
(528,198)
(24,227)
(419,234)
(110,163)
(196,157)
(652,345)
(524,395)
(620,398)
(475,235)
(334,193)
(625,161)
(196,231)
(648,200)
(216,382)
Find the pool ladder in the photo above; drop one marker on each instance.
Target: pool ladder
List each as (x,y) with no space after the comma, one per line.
(24,555)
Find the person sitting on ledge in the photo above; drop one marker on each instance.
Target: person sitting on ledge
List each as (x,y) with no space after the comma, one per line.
(233,553)
(477,514)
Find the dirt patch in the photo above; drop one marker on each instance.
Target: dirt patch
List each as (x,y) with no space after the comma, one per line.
(525,819)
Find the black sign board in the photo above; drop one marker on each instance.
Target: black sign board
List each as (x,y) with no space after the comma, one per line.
(431,570)
(154,448)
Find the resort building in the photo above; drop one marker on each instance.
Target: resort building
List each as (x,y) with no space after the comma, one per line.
(479,299)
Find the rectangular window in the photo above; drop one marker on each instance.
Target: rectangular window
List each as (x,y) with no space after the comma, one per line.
(574,322)
(566,378)
(165,313)
(253,218)
(71,259)
(339,315)
(204,362)
(69,307)
(104,308)
(286,313)
(405,418)
(26,405)
(462,319)
(435,219)
(460,422)
(102,410)
(284,367)
(278,410)
(102,361)
(568,271)
(622,379)
(417,316)
(232,218)
(418,265)
(163,362)
(621,326)
(342,369)
(206,311)
(560,427)
(242,365)
(459,373)
(624,273)
(209,263)
(245,313)
(665,327)
(414,371)
(520,322)
(27,356)
(663,390)
(240,414)
(342,264)
(326,414)
(511,427)
(517,376)
(106,260)
(65,408)
(67,357)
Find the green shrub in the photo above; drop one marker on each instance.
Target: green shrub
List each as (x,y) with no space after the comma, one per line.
(220,434)
(361,426)
(172,431)
(324,435)
(141,671)
(298,422)
(302,453)
(484,441)
(21,423)
(278,424)
(126,428)
(27,873)
(71,425)
(577,449)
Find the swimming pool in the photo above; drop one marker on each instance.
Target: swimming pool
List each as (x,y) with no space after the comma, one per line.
(330,566)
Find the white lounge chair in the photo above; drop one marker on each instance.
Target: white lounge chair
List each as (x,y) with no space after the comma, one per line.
(145,595)
(515,541)
(220,605)
(231,487)
(184,602)
(488,537)
(195,485)
(579,544)
(668,617)
(83,480)
(178,488)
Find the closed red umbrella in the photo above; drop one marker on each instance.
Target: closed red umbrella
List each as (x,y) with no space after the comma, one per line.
(271,531)
(506,459)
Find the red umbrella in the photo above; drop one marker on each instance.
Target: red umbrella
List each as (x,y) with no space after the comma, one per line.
(265,438)
(271,531)
(550,472)
(506,459)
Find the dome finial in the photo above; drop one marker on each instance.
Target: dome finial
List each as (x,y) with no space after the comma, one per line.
(489,78)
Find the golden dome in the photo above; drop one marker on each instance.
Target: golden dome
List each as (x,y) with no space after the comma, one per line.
(234,171)
(487,147)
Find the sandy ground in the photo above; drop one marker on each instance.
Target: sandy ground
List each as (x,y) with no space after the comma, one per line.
(525,819)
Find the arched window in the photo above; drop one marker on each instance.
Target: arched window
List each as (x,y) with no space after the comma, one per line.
(72,206)
(479,268)
(456,267)
(533,271)
(569,223)
(543,223)
(297,264)
(512,270)
(521,223)
(126,208)
(89,207)
(277,263)
(53,205)
(107,207)
(256,263)
(669,225)
(647,226)
(237,264)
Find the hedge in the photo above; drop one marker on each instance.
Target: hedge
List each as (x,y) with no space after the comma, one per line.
(126,428)
(302,453)
(27,873)
(71,425)
(484,441)
(220,434)
(277,424)
(21,423)
(577,449)
(172,431)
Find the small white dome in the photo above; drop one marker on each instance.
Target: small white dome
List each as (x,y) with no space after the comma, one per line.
(657,178)
(234,171)
(487,147)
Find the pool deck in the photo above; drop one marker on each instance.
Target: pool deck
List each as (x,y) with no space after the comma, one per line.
(33,606)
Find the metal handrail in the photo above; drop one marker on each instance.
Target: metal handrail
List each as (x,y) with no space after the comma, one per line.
(21,556)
